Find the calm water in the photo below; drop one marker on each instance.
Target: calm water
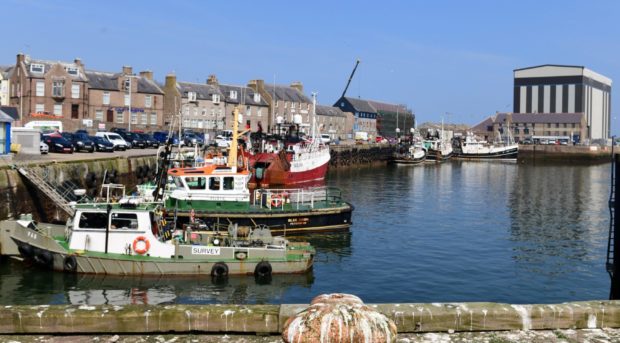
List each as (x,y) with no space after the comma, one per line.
(461,231)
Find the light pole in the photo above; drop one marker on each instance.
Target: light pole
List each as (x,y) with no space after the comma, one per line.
(128,88)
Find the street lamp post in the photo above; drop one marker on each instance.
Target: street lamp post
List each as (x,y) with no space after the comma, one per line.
(128,83)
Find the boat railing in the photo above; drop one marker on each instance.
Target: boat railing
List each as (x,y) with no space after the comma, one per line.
(297,198)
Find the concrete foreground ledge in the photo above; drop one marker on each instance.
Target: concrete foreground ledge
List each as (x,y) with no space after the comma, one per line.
(269,319)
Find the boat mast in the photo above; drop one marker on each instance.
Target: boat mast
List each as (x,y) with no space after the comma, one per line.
(232,151)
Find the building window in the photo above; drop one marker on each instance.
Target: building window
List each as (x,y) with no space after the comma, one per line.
(293,105)
(516,130)
(148,101)
(204,111)
(134,118)
(248,111)
(573,125)
(106,98)
(145,119)
(153,118)
(58,88)
(37,68)
(213,112)
(191,96)
(256,97)
(58,109)
(127,100)
(39,108)
(526,131)
(557,125)
(548,124)
(72,71)
(276,104)
(286,104)
(75,91)
(259,112)
(215,98)
(40,88)
(120,117)
(233,95)
(565,125)
(99,115)
(195,111)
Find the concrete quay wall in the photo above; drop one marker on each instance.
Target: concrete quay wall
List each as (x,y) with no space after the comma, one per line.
(564,153)
(269,319)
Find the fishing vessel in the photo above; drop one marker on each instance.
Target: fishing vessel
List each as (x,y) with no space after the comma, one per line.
(297,162)
(472,148)
(414,154)
(438,150)
(218,193)
(130,239)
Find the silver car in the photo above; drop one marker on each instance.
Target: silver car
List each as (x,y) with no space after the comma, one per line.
(44,148)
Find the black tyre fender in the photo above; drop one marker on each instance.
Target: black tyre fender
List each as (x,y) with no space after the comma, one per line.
(44,257)
(263,269)
(25,251)
(220,269)
(69,264)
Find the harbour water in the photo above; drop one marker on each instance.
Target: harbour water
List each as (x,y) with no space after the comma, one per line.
(459,231)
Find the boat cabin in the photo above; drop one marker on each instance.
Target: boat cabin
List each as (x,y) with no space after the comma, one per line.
(215,182)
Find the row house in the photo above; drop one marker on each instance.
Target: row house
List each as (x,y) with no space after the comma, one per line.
(285,102)
(332,121)
(393,119)
(365,116)
(198,106)
(533,126)
(5,84)
(253,108)
(125,100)
(49,88)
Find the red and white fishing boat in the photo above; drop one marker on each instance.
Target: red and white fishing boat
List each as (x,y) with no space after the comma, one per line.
(302,162)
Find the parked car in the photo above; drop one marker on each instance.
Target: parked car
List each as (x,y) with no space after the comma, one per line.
(114,138)
(325,138)
(162,137)
(191,139)
(43,148)
(58,143)
(80,141)
(149,140)
(102,144)
(134,140)
(222,142)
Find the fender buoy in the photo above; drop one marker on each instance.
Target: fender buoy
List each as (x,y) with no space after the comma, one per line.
(70,264)
(220,270)
(44,257)
(276,200)
(263,269)
(26,251)
(146,245)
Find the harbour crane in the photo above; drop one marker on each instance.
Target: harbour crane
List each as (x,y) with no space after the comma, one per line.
(357,62)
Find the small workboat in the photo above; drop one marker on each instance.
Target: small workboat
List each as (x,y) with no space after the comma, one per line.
(135,239)
(415,154)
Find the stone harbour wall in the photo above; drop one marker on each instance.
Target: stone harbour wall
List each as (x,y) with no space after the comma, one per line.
(269,319)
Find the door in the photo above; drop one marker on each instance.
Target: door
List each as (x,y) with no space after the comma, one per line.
(75,110)
(110,116)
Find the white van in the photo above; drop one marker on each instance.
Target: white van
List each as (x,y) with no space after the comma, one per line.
(114,138)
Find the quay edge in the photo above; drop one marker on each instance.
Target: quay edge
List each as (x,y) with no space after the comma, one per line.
(269,319)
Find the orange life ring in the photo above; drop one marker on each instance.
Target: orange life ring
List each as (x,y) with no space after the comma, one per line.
(147,245)
(276,200)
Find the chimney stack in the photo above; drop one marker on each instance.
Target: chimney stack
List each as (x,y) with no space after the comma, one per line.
(127,70)
(20,58)
(147,74)
(298,85)
(171,80)
(212,80)
(78,61)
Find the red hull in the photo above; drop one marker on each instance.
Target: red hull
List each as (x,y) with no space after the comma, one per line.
(277,172)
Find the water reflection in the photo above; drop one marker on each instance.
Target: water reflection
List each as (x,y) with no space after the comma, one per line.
(32,285)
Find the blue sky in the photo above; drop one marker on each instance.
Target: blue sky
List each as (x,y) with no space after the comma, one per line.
(436,57)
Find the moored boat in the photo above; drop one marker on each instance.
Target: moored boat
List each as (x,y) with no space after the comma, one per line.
(414,154)
(437,150)
(472,148)
(117,239)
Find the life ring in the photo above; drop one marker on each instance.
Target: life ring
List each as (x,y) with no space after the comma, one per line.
(146,247)
(70,264)
(276,200)
(219,270)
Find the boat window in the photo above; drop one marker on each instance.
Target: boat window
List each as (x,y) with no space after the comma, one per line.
(125,221)
(195,182)
(229,182)
(214,183)
(177,182)
(93,220)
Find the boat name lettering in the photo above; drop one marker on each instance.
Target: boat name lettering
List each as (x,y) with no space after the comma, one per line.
(298,221)
(205,251)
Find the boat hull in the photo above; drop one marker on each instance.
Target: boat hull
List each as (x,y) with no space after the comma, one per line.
(503,154)
(45,251)
(409,160)
(437,156)
(276,177)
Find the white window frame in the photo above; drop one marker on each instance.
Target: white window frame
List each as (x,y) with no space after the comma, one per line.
(39,108)
(37,68)
(233,95)
(153,118)
(145,118)
(73,71)
(259,112)
(213,112)
(40,88)
(215,98)
(99,115)
(106,98)
(256,97)
(58,109)
(134,118)
(148,101)
(75,91)
(248,110)
(191,96)
(120,117)
(58,88)
(127,99)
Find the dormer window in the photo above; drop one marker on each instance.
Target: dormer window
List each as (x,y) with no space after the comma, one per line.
(37,68)
(233,95)
(72,71)
(256,97)
(215,98)
(191,96)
